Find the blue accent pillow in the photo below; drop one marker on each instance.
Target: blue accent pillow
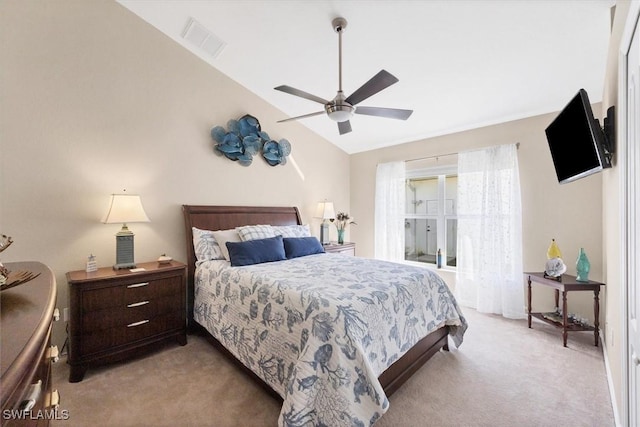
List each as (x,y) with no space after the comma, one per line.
(256,251)
(302,246)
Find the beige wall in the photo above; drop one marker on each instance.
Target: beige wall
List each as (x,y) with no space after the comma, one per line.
(611,220)
(570,213)
(94,100)
(584,213)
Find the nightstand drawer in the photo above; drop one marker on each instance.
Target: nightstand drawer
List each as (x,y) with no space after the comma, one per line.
(347,248)
(152,289)
(129,292)
(133,312)
(141,328)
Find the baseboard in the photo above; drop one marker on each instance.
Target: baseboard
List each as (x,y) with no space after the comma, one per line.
(614,406)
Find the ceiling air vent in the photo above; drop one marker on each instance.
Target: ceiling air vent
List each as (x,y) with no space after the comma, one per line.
(199,36)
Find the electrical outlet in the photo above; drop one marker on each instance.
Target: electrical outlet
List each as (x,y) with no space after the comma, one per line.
(65,314)
(610,337)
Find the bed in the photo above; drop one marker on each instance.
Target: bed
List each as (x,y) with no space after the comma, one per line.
(300,326)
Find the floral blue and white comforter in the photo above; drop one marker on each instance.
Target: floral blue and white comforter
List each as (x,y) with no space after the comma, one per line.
(320,329)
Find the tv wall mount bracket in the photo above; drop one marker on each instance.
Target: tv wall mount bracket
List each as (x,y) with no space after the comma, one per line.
(609,132)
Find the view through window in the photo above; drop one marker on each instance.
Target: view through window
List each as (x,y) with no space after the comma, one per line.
(430,220)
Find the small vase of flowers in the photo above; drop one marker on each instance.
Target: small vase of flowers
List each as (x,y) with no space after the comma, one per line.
(342,220)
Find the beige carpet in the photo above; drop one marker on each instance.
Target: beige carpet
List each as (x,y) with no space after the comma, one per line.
(504,374)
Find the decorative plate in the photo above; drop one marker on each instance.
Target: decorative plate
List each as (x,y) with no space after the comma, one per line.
(16,278)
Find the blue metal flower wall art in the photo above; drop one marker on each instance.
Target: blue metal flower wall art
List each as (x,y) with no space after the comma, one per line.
(275,153)
(245,139)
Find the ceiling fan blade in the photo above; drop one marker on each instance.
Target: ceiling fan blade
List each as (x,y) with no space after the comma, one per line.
(344,127)
(380,81)
(297,92)
(390,113)
(317,113)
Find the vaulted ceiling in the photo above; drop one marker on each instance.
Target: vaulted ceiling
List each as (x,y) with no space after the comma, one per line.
(461,64)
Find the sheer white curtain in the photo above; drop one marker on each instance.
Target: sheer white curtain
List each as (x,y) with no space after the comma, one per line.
(489,265)
(389,211)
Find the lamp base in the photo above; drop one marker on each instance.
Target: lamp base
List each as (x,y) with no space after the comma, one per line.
(324,233)
(124,250)
(123,266)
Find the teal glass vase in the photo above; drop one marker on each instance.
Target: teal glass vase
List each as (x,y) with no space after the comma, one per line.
(341,237)
(582,267)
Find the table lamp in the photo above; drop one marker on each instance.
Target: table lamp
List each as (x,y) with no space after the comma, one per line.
(326,212)
(125,208)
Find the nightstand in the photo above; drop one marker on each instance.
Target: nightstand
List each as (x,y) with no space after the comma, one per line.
(347,248)
(116,314)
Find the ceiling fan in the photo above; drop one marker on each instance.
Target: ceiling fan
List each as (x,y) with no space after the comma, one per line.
(341,108)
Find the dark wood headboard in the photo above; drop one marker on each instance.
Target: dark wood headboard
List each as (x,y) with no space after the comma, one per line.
(223,218)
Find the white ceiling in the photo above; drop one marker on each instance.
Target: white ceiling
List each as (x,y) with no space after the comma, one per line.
(462,64)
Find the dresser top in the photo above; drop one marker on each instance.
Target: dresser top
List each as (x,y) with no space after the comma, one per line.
(107,273)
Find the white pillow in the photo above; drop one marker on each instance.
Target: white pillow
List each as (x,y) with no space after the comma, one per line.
(254,232)
(292,230)
(224,236)
(205,246)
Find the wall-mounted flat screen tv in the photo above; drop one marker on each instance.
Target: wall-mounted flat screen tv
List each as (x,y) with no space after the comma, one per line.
(577,142)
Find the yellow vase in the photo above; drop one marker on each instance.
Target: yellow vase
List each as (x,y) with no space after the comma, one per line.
(554,250)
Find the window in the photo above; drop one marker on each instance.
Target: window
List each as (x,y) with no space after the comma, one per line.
(430,216)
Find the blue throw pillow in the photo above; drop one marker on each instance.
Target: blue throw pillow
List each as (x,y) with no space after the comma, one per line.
(302,246)
(256,251)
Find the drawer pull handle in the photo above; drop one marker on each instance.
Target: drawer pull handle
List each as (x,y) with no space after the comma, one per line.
(137,285)
(142,322)
(137,304)
(53,353)
(34,394)
(56,315)
(55,399)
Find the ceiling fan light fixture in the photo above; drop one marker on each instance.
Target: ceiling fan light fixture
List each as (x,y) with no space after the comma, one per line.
(340,113)
(340,109)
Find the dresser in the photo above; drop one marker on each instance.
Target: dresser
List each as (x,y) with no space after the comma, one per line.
(26,314)
(117,314)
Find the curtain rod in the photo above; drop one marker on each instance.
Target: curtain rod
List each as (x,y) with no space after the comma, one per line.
(444,155)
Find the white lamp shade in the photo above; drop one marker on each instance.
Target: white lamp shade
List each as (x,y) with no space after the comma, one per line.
(325,210)
(125,208)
